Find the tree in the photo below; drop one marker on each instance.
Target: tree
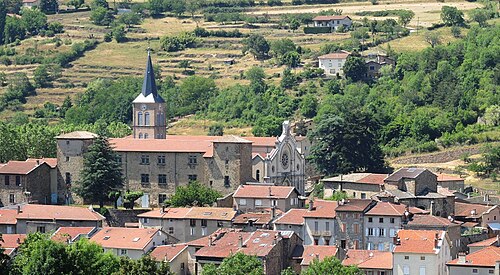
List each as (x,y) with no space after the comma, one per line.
(34,20)
(101,16)
(118,33)
(155,7)
(294,25)
(355,68)
(257,45)
(101,173)
(405,17)
(480,16)
(492,115)
(346,144)
(184,64)
(14,29)
(89,258)
(55,27)
(291,59)
(330,265)
(279,48)
(455,31)
(288,80)
(236,264)
(308,106)
(256,75)
(451,16)
(268,126)
(178,7)
(433,38)
(99,3)
(129,19)
(49,6)
(45,74)
(3,18)
(194,194)
(76,3)
(216,130)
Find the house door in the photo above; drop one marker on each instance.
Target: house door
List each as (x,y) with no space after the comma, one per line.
(145,200)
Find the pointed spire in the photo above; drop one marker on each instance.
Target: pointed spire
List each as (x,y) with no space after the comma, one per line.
(149,84)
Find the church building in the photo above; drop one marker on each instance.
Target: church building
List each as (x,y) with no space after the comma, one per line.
(157,163)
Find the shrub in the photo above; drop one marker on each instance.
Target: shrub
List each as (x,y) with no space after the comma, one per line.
(315,30)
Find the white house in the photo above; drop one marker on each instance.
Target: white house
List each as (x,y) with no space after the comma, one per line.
(333,21)
(333,63)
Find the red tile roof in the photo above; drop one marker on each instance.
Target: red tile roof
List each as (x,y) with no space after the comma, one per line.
(52,162)
(11,242)
(470,210)
(487,242)
(319,252)
(167,252)
(445,191)
(207,213)
(124,238)
(329,17)
(354,205)
(417,241)
(19,167)
(334,56)
(58,212)
(258,243)
(387,209)
(373,179)
(262,141)
(368,259)
(77,134)
(65,234)
(8,216)
(430,220)
(486,257)
(293,216)
(446,177)
(263,191)
(322,209)
(257,218)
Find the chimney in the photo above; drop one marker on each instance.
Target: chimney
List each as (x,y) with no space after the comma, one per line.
(317,256)
(436,240)
(461,258)
(162,209)
(273,212)
(311,204)
(210,241)
(18,241)
(240,241)
(275,240)
(19,209)
(37,162)
(486,197)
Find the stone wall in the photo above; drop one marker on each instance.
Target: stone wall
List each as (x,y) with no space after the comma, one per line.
(118,217)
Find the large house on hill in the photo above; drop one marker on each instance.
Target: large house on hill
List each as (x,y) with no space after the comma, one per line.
(156,163)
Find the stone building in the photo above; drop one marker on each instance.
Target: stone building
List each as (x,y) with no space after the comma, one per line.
(24,182)
(355,185)
(253,197)
(349,217)
(381,224)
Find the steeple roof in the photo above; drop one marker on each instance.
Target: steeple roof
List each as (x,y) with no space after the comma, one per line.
(149,93)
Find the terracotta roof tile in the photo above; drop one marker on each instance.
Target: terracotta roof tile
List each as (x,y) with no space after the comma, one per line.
(257,218)
(19,167)
(52,162)
(293,216)
(8,216)
(341,55)
(430,220)
(124,238)
(77,135)
(207,213)
(446,177)
(65,234)
(445,191)
(263,191)
(486,257)
(470,210)
(417,241)
(368,259)
(167,252)
(168,213)
(354,205)
(262,141)
(12,240)
(387,209)
(58,212)
(373,179)
(319,252)
(322,209)
(487,242)
(329,17)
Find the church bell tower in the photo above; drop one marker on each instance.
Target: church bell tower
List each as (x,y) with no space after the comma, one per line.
(149,121)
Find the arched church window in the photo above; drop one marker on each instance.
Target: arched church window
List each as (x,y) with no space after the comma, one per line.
(146,118)
(140,135)
(257,175)
(139,119)
(146,136)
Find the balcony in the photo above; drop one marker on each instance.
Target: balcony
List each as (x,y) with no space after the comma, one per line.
(327,233)
(316,233)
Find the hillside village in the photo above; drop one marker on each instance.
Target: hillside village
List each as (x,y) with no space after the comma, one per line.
(233,137)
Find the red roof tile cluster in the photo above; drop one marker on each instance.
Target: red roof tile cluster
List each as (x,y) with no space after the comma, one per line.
(15,167)
(67,234)
(369,259)
(294,216)
(8,216)
(470,210)
(319,252)
(52,162)
(124,238)
(257,218)
(486,257)
(354,205)
(58,212)
(11,242)
(322,209)
(341,55)
(373,179)
(430,220)
(167,252)
(446,177)
(206,213)
(263,191)
(418,241)
(487,242)
(258,243)
(329,17)
(387,209)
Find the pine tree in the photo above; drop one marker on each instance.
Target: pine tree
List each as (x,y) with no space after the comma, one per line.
(3,17)
(101,173)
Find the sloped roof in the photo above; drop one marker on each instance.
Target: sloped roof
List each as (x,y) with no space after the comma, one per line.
(365,178)
(15,167)
(471,210)
(354,205)
(58,212)
(77,135)
(294,216)
(447,177)
(429,220)
(66,233)
(8,216)
(387,209)
(257,218)
(149,92)
(339,55)
(487,242)
(263,191)
(408,173)
(207,213)
(368,259)
(330,17)
(322,209)
(11,242)
(124,238)
(167,252)
(320,252)
(486,257)
(52,162)
(418,241)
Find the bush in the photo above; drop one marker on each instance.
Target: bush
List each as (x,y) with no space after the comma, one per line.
(119,34)
(56,27)
(108,37)
(179,42)
(315,30)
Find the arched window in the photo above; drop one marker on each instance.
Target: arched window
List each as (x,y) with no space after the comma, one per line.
(257,175)
(140,135)
(146,118)
(146,136)
(139,118)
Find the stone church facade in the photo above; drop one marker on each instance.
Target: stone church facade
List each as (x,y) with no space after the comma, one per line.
(157,164)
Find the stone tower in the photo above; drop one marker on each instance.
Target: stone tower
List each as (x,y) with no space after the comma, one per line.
(149,111)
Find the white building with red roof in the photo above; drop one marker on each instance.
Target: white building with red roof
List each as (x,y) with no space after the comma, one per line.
(481,262)
(355,185)
(305,255)
(333,63)
(421,252)
(176,255)
(11,242)
(332,21)
(73,234)
(256,197)
(293,220)
(494,241)
(131,242)
(370,261)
